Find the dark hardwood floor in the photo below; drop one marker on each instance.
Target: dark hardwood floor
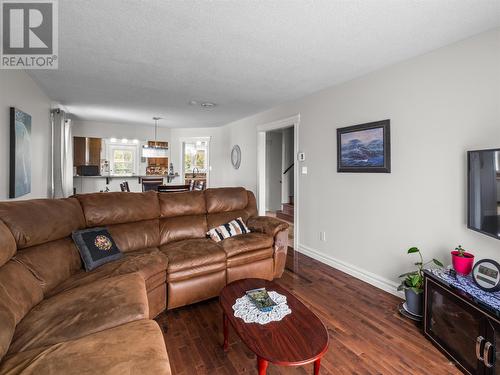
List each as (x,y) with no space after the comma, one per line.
(367,334)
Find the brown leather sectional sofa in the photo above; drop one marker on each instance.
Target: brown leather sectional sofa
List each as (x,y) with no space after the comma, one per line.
(55,318)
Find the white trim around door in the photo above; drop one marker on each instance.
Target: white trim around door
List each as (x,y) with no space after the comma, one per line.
(292,121)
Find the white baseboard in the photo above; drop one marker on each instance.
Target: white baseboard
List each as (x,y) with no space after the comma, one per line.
(359,273)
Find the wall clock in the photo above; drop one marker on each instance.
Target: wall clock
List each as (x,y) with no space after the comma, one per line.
(236,156)
(486,275)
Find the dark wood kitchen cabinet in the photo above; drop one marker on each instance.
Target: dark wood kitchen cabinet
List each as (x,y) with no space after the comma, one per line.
(86,151)
(465,329)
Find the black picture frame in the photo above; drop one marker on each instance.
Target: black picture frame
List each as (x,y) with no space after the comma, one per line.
(344,165)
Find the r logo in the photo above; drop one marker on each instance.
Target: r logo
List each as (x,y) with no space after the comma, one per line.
(27,28)
(29,37)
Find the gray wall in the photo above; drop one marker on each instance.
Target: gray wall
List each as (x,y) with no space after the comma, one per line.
(17,89)
(440,104)
(274,140)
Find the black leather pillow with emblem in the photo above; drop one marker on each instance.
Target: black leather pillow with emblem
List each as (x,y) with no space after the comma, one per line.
(96,247)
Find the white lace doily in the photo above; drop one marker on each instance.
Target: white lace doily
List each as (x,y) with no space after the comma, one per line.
(246,310)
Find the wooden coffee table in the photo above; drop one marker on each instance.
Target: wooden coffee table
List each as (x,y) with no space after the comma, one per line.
(299,338)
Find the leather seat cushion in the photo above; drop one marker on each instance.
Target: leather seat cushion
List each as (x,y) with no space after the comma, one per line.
(244,243)
(136,348)
(250,257)
(148,263)
(192,254)
(82,311)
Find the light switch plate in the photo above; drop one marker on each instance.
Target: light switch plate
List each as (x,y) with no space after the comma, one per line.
(304,170)
(301,156)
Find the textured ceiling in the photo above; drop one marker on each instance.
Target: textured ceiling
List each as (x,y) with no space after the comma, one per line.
(128,60)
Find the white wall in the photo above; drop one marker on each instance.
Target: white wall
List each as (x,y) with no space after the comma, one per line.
(440,105)
(17,89)
(274,144)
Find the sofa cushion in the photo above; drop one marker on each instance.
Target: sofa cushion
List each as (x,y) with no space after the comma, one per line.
(250,257)
(102,209)
(192,255)
(226,199)
(39,221)
(96,247)
(19,292)
(135,348)
(51,263)
(246,242)
(214,220)
(7,244)
(182,228)
(82,311)
(182,204)
(149,263)
(135,236)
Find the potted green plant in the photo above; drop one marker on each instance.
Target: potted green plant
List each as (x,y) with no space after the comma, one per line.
(413,283)
(462,260)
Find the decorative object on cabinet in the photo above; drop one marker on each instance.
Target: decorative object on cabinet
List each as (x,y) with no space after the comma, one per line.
(20,153)
(236,157)
(462,261)
(463,321)
(124,187)
(364,148)
(486,275)
(413,284)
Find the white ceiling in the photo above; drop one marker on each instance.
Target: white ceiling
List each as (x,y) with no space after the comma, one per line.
(128,60)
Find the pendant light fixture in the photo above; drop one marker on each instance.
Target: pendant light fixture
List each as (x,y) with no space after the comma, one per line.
(155,150)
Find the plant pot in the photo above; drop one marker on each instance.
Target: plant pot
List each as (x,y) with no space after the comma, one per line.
(414,302)
(463,265)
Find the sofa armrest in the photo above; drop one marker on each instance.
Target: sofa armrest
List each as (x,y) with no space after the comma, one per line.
(279,230)
(266,224)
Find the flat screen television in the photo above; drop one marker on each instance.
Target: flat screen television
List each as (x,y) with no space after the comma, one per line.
(484,192)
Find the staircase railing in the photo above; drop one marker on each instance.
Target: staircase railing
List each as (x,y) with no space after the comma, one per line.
(290,167)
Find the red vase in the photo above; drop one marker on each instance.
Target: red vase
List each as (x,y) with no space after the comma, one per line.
(463,265)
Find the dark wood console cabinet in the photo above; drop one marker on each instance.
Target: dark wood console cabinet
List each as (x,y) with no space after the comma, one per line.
(466,331)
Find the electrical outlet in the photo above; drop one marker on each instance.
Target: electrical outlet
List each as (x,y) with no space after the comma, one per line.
(322,236)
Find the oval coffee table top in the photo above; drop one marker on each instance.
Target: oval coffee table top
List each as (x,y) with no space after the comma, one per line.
(297,339)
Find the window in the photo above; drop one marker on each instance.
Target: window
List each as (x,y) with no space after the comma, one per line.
(195,156)
(123,160)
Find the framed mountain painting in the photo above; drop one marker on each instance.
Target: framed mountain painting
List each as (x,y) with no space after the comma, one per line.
(20,153)
(364,148)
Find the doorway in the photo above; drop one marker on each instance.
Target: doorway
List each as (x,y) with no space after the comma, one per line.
(278,193)
(195,161)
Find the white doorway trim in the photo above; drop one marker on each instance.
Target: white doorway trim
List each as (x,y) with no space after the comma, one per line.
(292,121)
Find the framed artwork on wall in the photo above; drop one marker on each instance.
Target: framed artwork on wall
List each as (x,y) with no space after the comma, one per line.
(364,148)
(20,153)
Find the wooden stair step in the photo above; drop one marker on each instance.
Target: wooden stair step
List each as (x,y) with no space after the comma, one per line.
(281,215)
(287,208)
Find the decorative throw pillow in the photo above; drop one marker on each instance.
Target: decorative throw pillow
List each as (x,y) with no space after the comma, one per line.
(233,228)
(96,247)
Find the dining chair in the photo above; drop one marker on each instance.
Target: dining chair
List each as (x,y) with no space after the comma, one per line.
(172,188)
(151,183)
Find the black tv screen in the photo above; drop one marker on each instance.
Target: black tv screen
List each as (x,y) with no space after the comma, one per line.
(484,192)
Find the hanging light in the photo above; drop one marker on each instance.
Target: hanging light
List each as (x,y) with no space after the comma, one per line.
(156,150)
